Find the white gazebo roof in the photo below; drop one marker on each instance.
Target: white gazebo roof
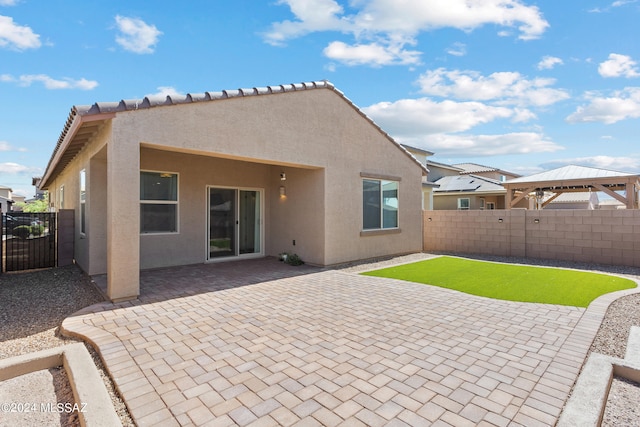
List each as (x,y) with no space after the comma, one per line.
(574,178)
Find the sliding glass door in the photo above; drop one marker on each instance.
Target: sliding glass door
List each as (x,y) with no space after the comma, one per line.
(235,222)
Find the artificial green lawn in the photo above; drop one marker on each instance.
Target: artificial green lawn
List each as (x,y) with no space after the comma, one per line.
(509,282)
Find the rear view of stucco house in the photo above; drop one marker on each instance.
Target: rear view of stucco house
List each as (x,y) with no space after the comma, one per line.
(228,175)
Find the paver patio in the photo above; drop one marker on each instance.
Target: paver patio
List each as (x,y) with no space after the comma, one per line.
(261,343)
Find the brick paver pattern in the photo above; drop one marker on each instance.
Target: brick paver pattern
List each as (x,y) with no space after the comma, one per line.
(264,344)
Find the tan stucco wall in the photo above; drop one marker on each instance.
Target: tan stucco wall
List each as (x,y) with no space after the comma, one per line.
(307,129)
(294,217)
(91,259)
(322,143)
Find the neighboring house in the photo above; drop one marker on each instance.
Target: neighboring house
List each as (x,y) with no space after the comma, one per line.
(438,170)
(467,186)
(468,192)
(17,202)
(580,200)
(485,171)
(610,204)
(35,181)
(6,199)
(228,175)
(427,186)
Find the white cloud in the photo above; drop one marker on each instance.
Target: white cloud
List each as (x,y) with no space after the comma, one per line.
(8,2)
(619,66)
(486,145)
(373,54)
(621,105)
(410,118)
(500,87)
(49,82)
(164,91)
(548,62)
(381,24)
(16,36)
(622,2)
(457,49)
(15,169)
(136,35)
(621,164)
(5,146)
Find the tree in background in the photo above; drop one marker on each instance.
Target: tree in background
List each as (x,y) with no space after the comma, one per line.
(41,205)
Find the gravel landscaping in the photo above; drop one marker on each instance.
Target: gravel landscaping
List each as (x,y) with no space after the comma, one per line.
(33,304)
(32,307)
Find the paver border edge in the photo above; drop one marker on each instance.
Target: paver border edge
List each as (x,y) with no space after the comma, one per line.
(85,381)
(587,404)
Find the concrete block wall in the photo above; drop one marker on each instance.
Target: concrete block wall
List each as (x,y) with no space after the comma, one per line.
(595,236)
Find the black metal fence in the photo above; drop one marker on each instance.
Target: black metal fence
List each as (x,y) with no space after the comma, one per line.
(28,241)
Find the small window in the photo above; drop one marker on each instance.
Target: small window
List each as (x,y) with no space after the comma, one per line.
(482,203)
(158,202)
(61,198)
(491,206)
(379,204)
(83,201)
(463,204)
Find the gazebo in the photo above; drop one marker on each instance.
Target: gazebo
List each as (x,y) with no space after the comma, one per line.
(573,178)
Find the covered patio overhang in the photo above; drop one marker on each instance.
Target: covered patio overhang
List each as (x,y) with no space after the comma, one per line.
(620,186)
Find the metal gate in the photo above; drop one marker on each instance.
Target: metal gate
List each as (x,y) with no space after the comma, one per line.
(28,241)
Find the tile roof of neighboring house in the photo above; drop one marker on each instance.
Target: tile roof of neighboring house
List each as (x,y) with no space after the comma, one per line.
(109,108)
(574,197)
(443,165)
(419,150)
(476,168)
(468,184)
(568,173)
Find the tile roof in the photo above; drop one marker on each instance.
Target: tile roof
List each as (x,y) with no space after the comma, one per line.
(575,197)
(104,108)
(475,168)
(159,101)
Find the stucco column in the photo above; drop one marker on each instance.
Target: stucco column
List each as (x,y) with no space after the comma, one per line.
(123,218)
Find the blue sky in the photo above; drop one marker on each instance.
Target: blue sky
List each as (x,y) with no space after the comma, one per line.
(520,85)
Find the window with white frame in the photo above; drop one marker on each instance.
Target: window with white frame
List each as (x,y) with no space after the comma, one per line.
(463,203)
(158,202)
(83,201)
(61,198)
(379,204)
(491,205)
(482,203)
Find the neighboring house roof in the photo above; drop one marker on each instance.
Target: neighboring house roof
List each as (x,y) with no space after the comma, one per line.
(571,172)
(579,197)
(418,150)
(2,187)
(610,202)
(84,120)
(476,168)
(468,184)
(443,165)
(427,183)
